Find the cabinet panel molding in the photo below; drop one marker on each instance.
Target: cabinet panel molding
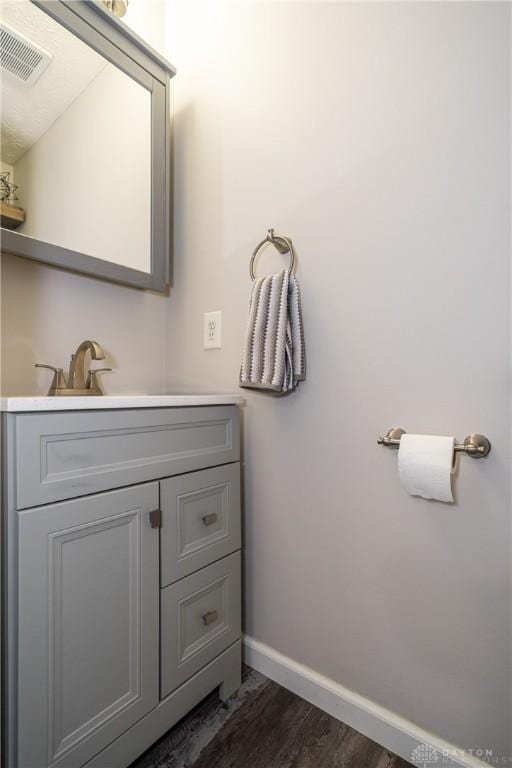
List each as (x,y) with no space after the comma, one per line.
(69,454)
(68,624)
(200,520)
(224,671)
(200,617)
(88,624)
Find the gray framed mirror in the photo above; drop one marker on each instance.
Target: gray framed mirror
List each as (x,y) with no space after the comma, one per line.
(85,153)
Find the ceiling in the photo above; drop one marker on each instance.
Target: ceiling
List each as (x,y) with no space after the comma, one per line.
(28,112)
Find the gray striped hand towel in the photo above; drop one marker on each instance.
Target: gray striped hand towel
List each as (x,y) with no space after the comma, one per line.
(273,356)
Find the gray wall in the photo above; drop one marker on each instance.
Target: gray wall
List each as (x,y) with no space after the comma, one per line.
(377,137)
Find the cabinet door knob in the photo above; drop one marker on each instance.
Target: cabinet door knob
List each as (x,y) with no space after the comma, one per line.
(210,519)
(155,518)
(210,617)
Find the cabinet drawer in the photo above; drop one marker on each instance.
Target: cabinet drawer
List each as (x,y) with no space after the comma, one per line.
(200,617)
(200,520)
(62,455)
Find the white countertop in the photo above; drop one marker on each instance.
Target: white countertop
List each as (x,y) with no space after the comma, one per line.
(24,404)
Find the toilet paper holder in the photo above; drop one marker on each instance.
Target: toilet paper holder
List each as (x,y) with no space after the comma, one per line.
(475,445)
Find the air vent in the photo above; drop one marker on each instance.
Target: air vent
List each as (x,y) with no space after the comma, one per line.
(20,57)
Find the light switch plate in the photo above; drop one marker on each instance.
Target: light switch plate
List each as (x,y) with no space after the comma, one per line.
(212,333)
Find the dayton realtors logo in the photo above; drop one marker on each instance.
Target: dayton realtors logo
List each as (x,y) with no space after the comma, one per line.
(424,755)
(427,756)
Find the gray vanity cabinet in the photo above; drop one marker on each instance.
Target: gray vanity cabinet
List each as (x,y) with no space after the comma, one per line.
(88,624)
(121,578)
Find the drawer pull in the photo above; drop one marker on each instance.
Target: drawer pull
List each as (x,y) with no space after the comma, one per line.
(210,519)
(210,617)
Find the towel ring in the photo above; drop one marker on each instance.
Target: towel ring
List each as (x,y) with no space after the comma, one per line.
(283,245)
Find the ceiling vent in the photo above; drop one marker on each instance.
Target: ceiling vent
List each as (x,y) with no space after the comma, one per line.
(20,58)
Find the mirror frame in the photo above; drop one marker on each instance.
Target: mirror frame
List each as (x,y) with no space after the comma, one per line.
(96,26)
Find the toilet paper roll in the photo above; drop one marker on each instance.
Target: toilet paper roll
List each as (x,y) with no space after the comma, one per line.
(425,466)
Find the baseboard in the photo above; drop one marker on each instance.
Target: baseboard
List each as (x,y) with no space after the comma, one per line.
(392,731)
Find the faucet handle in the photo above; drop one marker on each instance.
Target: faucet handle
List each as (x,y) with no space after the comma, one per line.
(58,381)
(92,382)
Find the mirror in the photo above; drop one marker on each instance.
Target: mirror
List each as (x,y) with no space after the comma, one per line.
(78,145)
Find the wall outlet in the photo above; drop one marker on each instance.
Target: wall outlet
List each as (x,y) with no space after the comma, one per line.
(212,338)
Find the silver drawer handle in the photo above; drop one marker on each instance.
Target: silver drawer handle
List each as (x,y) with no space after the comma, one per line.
(210,617)
(210,519)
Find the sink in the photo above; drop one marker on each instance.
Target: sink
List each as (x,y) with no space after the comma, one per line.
(35,403)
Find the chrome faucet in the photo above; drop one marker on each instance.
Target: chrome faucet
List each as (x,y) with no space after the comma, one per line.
(76,383)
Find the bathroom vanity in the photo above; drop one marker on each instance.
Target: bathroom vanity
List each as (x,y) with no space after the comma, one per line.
(121,565)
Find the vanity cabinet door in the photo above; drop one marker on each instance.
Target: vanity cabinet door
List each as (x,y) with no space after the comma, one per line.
(88,624)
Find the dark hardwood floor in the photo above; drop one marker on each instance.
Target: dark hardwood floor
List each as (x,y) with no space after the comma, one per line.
(264,726)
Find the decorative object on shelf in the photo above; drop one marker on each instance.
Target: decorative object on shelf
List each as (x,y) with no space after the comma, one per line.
(117,7)
(7,188)
(4,185)
(10,215)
